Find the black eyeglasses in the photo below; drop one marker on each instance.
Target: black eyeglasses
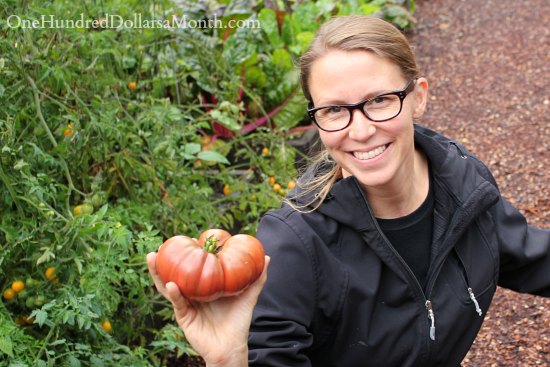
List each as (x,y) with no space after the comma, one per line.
(382,107)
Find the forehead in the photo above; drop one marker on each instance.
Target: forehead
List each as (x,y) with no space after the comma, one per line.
(350,76)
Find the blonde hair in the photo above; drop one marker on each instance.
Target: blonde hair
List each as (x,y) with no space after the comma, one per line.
(347,33)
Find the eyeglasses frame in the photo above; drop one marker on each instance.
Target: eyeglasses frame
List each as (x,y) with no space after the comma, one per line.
(401,93)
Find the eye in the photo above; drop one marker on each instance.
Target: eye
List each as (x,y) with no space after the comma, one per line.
(329,112)
(333,109)
(379,100)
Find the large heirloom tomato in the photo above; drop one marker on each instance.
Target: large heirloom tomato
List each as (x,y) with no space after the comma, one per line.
(216,265)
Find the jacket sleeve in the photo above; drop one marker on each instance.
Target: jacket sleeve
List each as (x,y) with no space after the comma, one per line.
(524,252)
(279,332)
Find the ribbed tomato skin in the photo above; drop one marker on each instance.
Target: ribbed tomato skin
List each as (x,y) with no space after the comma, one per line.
(204,276)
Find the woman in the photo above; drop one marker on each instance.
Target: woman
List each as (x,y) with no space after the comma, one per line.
(390,252)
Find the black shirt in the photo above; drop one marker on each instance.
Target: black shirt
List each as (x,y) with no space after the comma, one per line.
(411,236)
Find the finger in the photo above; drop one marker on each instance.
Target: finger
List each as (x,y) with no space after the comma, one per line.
(179,303)
(151,264)
(255,289)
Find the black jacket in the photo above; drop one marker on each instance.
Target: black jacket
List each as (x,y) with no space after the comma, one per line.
(338,294)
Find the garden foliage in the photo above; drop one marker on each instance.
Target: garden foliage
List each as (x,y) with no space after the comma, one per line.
(113,139)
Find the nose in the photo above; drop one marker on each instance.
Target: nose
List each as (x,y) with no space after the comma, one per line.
(361,128)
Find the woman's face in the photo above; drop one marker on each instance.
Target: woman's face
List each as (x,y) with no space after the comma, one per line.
(376,153)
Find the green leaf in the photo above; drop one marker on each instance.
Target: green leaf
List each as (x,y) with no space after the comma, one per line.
(304,39)
(20,164)
(6,345)
(58,342)
(241,45)
(72,361)
(282,59)
(46,256)
(40,317)
(128,62)
(212,156)
(239,7)
(292,113)
(268,20)
(192,148)
(369,9)
(255,76)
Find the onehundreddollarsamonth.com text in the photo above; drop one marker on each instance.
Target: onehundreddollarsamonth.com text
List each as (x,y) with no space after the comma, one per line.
(114,21)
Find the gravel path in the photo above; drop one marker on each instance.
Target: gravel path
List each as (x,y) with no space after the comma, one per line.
(488,64)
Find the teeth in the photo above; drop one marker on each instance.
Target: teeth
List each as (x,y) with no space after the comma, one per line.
(371,154)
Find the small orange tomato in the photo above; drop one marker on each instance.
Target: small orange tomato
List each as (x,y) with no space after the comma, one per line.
(271,180)
(106,325)
(132,85)
(206,142)
(226,190)
(265,151)
(17,286)
(291,184)
(50,273)
(69,131)
(9,294)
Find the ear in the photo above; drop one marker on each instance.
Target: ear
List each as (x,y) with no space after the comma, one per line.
(420,94)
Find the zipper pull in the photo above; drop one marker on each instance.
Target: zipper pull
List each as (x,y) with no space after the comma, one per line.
(432,318)
(474,300)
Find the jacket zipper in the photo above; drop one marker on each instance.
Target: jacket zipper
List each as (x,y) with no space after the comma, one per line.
(431,316)
(469,288)
(427,302)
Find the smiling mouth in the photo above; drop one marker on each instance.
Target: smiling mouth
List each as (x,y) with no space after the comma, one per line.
(370,154)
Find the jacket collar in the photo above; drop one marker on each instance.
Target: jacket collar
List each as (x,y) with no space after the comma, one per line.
(458,181)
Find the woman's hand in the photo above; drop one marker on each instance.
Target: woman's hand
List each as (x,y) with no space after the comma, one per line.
(218,330)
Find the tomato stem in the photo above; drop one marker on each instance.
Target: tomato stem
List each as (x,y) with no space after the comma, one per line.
(211,245)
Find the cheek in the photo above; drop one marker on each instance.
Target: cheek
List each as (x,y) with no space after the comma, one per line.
(331,140)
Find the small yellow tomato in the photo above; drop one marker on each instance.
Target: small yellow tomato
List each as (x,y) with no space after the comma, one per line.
(291,184)
(226,189)
(50,273)
(265,151)
(17,286)
(132,85)
(69,131)
(9,294)
(106,325)
(276,187)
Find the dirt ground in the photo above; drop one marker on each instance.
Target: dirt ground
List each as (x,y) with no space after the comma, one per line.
(488,64)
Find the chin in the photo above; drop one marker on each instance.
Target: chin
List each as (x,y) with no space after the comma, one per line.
(370,179)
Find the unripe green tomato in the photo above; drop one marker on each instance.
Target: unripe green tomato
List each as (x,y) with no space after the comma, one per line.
(82,209)
(98,199)
(24,294)
(29,302)
(39,301)
(30,282)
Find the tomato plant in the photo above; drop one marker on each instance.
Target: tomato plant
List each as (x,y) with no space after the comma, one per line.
(216,265)
(111,140)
